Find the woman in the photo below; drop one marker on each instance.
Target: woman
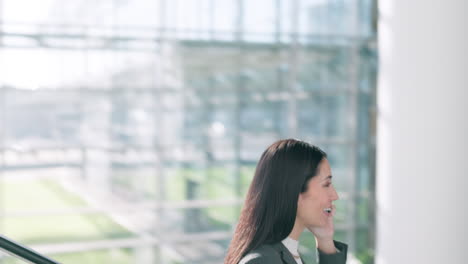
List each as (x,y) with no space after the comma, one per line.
(291,191)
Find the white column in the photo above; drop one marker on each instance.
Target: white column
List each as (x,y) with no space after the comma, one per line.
(422,139)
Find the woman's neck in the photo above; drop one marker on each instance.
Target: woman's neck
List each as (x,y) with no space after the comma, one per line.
(297,230)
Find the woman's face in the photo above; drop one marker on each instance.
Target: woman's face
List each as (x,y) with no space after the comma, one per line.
(320,195)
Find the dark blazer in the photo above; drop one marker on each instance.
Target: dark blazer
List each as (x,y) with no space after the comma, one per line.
(279,254)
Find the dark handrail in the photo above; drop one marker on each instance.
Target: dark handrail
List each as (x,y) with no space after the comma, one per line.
(23,252)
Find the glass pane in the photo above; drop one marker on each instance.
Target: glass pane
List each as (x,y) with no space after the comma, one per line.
(118,115)
(312,126)
(259,20)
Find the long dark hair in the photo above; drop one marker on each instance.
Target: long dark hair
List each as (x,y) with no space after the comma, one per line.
(270,207)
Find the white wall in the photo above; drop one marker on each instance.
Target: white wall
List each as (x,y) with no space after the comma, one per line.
(422,139)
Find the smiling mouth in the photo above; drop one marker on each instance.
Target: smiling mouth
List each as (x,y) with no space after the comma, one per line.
(327,210)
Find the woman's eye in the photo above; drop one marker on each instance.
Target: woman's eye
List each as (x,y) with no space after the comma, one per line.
(327,185)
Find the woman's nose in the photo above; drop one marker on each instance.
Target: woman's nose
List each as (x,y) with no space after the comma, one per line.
(334,195)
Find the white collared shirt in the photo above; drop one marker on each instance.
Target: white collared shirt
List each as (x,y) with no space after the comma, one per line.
(292,245)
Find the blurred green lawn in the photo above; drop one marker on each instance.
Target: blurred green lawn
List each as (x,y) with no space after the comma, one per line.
(45,194)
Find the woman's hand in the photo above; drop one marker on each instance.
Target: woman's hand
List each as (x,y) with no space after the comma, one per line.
(324,234)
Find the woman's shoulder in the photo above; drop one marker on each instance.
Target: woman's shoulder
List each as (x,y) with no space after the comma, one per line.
(265,254)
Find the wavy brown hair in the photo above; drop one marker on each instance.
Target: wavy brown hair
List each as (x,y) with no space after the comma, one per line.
(269,211)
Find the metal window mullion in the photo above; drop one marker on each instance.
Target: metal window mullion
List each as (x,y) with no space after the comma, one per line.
(3,93)
(353,129)
(293,61)
(2,127)
(240,87)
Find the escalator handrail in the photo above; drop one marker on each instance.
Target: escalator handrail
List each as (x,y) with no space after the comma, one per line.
(23,252)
